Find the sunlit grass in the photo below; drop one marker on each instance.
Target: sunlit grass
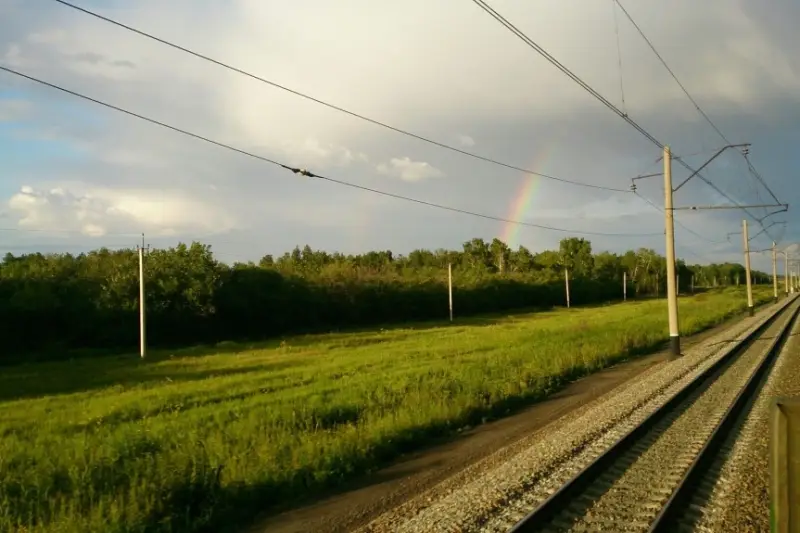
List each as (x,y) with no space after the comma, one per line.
(198,440)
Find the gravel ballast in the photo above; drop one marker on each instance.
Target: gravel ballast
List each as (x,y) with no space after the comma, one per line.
(489,492)
(739,500)
(629,495)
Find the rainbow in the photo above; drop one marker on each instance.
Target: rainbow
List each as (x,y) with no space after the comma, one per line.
(520,205)
(522,201)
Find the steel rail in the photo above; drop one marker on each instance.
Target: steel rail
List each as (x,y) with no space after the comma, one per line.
(560,500)
(687,485)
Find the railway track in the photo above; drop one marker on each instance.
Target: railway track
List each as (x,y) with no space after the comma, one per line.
(648,478)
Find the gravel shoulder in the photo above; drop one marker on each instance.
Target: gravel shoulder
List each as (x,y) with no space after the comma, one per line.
(416,480)
(485,491)
(740,498)
(629,495)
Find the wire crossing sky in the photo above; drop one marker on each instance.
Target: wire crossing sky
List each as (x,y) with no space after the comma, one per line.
(84,171)
(516,31)
(306,173)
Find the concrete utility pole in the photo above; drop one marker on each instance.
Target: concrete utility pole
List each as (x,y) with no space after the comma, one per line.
(670,229)
(450,288)
(669,223)
(750,310)
(566,282)
(786,272)
(624,286)
(774,271)
(142,338)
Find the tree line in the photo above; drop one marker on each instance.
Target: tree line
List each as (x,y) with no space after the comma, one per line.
(57,302)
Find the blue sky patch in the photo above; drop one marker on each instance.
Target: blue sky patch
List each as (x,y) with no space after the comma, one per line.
(19,145)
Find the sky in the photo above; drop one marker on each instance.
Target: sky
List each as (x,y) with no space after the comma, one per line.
(77,176)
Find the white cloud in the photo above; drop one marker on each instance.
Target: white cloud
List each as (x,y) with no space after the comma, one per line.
(408,170)
(49,36)
(93,230)
(466,140)
(523,111)
(312,153)
(97,212)
(77,54)
(13,56)
(502,79)
(609,208)
(125,156)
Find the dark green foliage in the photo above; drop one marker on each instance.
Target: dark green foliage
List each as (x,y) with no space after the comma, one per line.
(60,301)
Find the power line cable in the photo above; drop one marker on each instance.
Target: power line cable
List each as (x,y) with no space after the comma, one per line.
(306,173)
(758,176)
(674,77)
(527,40)
(691,252)
(699,109)
(555,62)
(679,223)
(619,55)
(398,130)
(333,106)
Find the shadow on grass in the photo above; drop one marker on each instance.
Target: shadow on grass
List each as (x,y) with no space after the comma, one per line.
(92,369)
(87,370)
(199,500)
(235,507)
(304,337)
(68,377)
(547,388)
(201,504)
(297,337)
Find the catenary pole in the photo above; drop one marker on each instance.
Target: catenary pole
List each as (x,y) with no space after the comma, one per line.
(669,223)
(142,339)
(750,310)
(774,272)
(450,288)
(624,286)
(786,272)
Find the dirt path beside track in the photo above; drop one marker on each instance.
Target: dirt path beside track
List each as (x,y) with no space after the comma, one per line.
(358,502)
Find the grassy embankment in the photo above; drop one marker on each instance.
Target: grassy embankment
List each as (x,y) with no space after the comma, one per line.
(201,439)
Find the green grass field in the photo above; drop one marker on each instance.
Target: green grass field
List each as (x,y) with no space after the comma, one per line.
(202,439)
